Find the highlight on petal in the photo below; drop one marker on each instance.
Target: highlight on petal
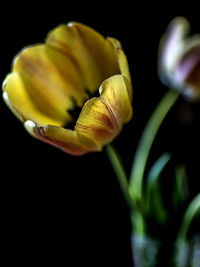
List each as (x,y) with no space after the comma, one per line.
(7,102)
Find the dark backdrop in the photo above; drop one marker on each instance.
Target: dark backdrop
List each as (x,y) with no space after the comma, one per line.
(59,208)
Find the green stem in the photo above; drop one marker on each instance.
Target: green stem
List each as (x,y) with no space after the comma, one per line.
(146,142)
(120,173)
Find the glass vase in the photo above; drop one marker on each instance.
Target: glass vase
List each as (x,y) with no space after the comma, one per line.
(150,252)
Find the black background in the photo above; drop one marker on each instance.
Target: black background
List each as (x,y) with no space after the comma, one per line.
(63,210)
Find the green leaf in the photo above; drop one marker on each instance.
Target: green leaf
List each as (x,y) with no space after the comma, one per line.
(180,190)
(154,203)
(157,169)
(191,212)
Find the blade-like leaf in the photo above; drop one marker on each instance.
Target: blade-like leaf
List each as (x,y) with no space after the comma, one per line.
(191,212)
(157,169)
(154,203)
(180,190)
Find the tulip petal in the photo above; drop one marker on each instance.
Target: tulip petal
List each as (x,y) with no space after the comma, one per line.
(122,62)
(87,49)
(51,80)
(10,106)
(188,67)
(171,48)
(101,118)
(22,104)
(189,60)
(114,91)
(97,122)
(67,140)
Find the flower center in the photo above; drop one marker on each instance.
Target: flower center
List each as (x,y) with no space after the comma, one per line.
(76,110)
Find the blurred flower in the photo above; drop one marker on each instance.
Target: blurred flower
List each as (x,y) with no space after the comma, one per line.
(179,59)
(74,91)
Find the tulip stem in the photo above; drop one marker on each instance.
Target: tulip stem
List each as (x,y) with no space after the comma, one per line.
(120,173)
(146,141)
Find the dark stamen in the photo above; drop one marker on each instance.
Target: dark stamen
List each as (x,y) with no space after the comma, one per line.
(75,111)
(90,95)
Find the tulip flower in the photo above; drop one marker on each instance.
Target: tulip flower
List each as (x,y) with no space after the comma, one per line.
(74,91)
(179,59)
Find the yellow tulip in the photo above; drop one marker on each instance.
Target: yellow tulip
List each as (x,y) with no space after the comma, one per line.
(75,69)
(179,59)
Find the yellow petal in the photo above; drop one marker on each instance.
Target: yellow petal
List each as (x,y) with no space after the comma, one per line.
(122,62)
(22,104)
(51,80)
(64,139)
(97,122)
(101,118)
(114,91)
(87,49)
(10,106)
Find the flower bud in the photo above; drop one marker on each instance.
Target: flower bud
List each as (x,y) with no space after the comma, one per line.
(179,59)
